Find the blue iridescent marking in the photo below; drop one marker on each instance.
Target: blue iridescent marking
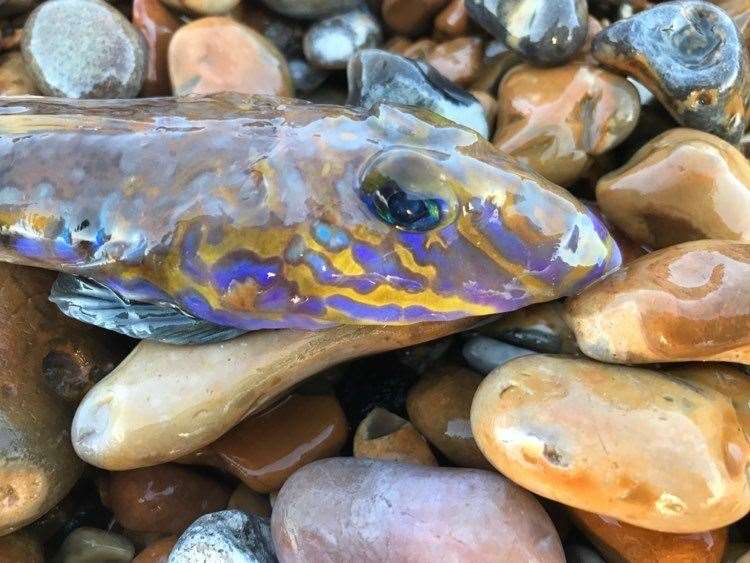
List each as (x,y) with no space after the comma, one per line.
(329,236)
(241,266)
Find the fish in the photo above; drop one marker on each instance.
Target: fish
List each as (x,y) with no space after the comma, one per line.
(254,212)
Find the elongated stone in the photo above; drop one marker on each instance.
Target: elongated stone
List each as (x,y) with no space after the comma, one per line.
(683,303)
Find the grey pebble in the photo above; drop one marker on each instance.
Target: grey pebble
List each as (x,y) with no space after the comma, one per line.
(485,354)
(310,9)
(576,553)
(306,77)
(331,42)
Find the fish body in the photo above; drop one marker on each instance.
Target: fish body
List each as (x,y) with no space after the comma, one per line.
(273,213)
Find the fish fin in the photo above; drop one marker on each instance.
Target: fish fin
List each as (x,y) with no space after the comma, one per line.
(93,303)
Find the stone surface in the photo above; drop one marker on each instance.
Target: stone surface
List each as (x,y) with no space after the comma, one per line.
(305,77)
(243,61)
(459,60)
(545,33)
(20,547)
(247,500)
(453,20)
(497,61)
(229,535)
(541,328)
(619,541)
(310,9)
(691,56)
(89,545)
(263,450)
(157,552)
(83,49)
(15,79)
(164,401)
(485,354)
(683,185)
(577,553)
(388,437)
(331,42)
(408,512)
(37,463)
(202,7)
(630,443)
(410,17)
(163,498)
(157,25)
(557,120)
(439,406)
(683,303)
(378,76)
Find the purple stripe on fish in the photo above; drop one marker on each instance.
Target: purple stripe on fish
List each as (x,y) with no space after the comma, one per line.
(243,265)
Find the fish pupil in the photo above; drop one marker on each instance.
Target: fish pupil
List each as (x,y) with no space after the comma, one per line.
(402,209)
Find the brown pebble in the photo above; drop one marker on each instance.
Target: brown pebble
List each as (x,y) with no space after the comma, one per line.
(555,120)
(247,500)
(683,185)
(264,449)
(419,49)
(689,302)
(203,7)
(163,498)
(458,60)
(20,547)
(386,436)
(157,552)
(489,105)
(157,25)
(242,61)
(410,17)
(15,79)
(439,406)
(619,541)
(453,21)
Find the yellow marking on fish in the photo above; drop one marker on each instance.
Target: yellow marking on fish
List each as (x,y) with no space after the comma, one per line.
(408,262)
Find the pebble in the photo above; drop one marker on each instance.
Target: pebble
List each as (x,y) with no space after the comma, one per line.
(406,512)
(157,25)
(202,7)
(37,464)
(453,21)
(305,77)
(263,450)
(310,9)
(459,60)
(619,541)
(20,547)
(14,7)
(83,49)
(485,354)
(737,553)
(497,61)
(544,33)
(89,545)
(439,406)
(157,552)
(684,303)
(690,54)
(168,401)
(683,185)
(577,553)
(330,43)
(411,18)
(243,61)
(541,328)
(247,500)
(163,498)
(378,76)
(15,79)
(630,443)
(388,437)
(226,536)
(558,120)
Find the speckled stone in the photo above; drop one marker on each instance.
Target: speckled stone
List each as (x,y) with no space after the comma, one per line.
(690,54)
(226,536)
(331,42)
(83,49)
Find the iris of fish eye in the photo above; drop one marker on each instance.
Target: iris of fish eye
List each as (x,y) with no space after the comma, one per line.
(405,210)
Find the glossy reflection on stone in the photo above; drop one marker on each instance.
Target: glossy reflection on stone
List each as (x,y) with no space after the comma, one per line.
(545,33)
(619,541)
(407,512)
(690,54)
(683,185)
(388,437)
(556,120)
(439,406)
(89,545)
(630,443)
(458,60)
(683,303)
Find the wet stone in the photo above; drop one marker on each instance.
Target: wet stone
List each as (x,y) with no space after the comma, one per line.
(15,79)
(485,354)
(458,60)
(439,406)
(83,49)
(464,515)
(20,547)
(691,56)
(157,25)
(386,436)
(378,76)
(544,33)
(229,535)
(557,120)
(89,545)
(630,443)
(310,9)
(683,185)
(577,553)
(202,7)
(157,552)
(247,500)
(619,541)
(243,61)
(411,18)
(305,77)
(330,43)
(453,21)
(689,302)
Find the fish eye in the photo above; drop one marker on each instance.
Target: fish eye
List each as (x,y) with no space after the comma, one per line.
(407,190)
